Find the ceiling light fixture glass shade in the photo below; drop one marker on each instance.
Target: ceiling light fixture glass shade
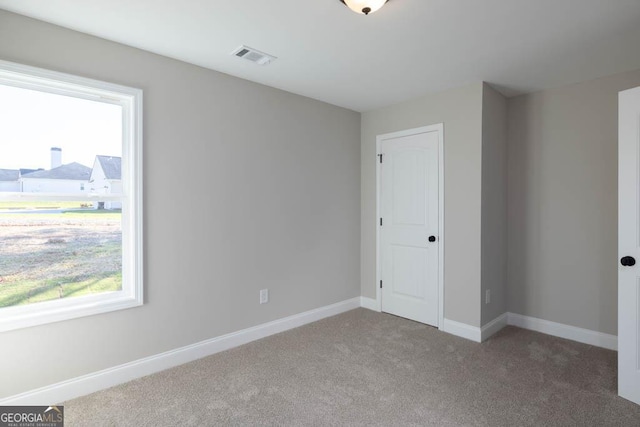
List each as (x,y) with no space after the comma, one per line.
(364,7)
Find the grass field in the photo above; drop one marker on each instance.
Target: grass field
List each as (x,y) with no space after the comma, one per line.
(50,256)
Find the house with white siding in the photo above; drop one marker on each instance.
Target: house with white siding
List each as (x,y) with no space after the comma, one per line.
(106,178)
(10,180)
(70,178)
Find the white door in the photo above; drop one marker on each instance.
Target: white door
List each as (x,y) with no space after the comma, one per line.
(409,227)
(629,245)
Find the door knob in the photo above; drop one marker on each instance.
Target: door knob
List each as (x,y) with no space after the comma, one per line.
(628,261)
(432,239)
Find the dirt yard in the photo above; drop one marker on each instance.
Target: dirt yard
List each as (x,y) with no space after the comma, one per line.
(59,255)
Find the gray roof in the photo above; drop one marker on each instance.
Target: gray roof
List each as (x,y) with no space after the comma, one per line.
(26,171)
(9,174)
(73,171)
(112,166)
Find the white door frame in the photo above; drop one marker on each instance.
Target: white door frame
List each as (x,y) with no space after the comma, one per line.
(379,139)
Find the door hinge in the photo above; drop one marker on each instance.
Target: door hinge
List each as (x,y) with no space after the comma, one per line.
(380,284)
(380,156)
(380,222)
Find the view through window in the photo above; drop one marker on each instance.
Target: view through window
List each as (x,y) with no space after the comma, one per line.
(68,226)
(58,145)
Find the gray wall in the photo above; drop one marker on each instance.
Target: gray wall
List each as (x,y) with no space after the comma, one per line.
(494,203)
(460,110)
(562,203)
(246,187)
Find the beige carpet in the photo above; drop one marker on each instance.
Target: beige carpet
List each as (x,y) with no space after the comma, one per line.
(367,368)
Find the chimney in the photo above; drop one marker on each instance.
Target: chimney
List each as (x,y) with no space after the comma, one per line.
(56,157)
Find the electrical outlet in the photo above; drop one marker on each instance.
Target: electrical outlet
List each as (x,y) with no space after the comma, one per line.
(487,297)
(264,296)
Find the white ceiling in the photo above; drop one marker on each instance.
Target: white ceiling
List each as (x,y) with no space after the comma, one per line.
(407,49)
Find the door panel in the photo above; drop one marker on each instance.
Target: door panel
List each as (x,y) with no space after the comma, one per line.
(408,271)
(409,211)
(409,188)
(629,245)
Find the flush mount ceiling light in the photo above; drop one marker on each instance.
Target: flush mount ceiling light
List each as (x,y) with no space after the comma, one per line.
(364,7)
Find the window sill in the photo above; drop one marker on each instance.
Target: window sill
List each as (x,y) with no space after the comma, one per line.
(25,316)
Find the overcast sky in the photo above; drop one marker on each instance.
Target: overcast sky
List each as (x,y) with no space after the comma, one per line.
(32,122)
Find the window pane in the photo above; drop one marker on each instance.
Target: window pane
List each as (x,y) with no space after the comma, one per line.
(53,140)
(65,138)
(55,250)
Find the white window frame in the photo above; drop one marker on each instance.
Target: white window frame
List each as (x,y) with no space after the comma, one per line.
(130,99)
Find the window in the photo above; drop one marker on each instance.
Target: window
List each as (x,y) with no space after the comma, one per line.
(70,197)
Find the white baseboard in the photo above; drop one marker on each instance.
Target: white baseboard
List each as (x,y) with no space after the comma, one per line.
(369,303)
(474,333)
(462,330)
(110,377)
(560,330)
(585,336)
(494,326)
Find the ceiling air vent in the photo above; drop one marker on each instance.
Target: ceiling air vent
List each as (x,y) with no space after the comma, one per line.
(253,55)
